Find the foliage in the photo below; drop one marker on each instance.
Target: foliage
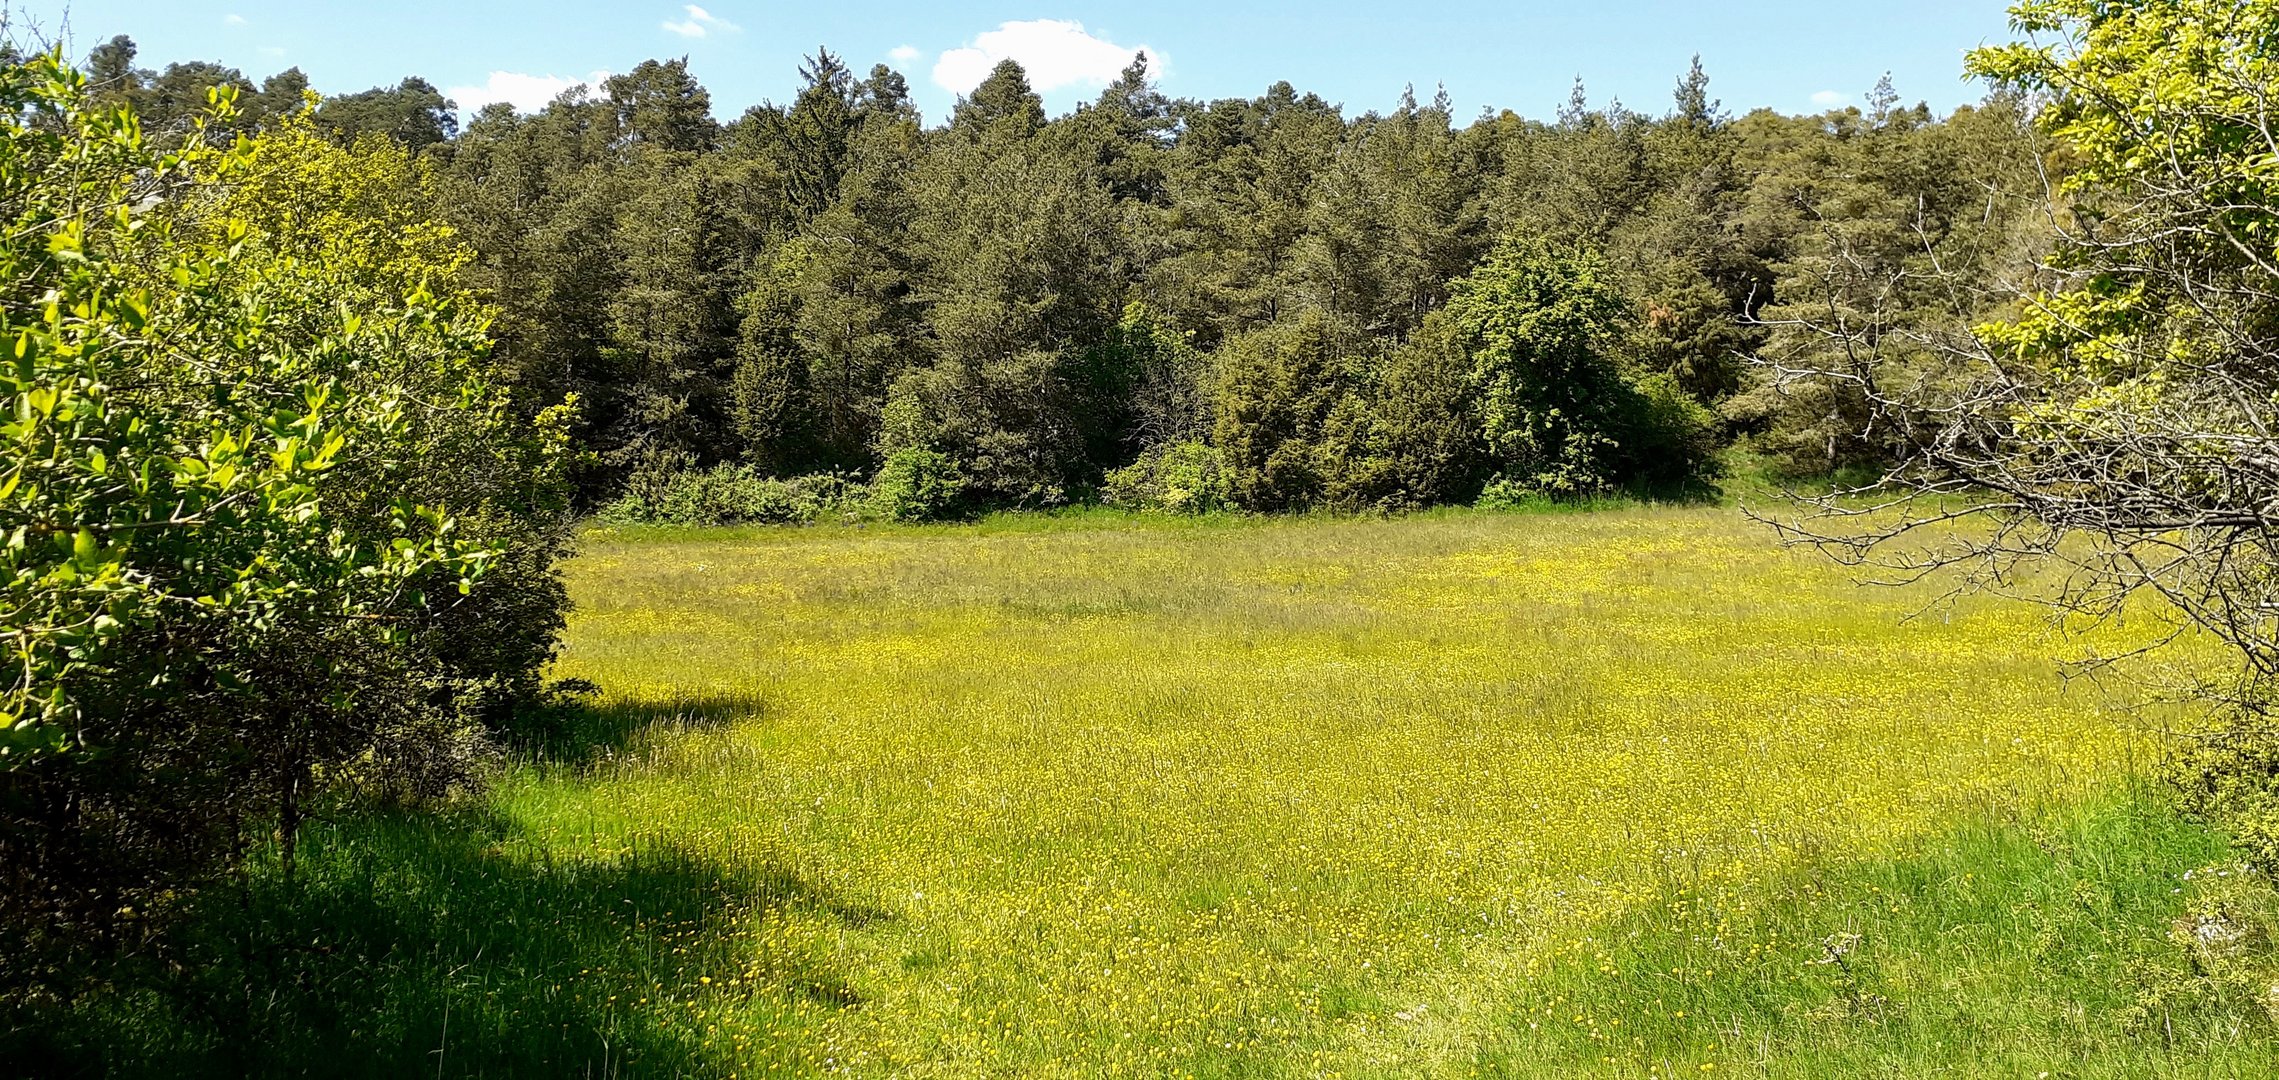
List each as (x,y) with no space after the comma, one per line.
(2227,937)
(1558,413)
(1894,234)
(1422,441)
(1004,425)
(2104,420)
(1536,324)
(1671,438)
(413,114)
(732,495)
(240,405)
(1504,493)
(1145,385)
(2228,770)
(814,286)
(1178,478)
(1278,390)
(359,220)
(2124,401)
(917,484)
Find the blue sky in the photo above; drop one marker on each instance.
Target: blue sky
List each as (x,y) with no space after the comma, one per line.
(1791,55)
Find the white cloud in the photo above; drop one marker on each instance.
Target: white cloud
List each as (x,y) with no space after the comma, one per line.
(700,23)
(527,93)
(1054,52)
(233,19)
(902,54)
(1831,99)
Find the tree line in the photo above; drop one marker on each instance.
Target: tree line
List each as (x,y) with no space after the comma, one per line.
(1264,303)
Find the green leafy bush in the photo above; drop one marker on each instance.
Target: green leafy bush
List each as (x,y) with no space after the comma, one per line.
(1517,378)
(917,484)
(2228,937)
(1538,324)
(1008,422)
(1278,390)
(1413,436)
(1558,409)
(1502,493)
(2228,772)
(1669,439)
(1181,478)
(269,526)
(733,495)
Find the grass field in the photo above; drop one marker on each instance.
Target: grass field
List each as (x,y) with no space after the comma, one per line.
(1630,793)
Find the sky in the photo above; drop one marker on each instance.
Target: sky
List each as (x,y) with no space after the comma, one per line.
(1524,55)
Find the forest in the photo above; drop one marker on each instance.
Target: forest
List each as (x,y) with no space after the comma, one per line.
(1265,304)
(1208,588)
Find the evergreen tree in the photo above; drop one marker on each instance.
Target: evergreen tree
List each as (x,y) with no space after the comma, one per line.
(1277,392)
(111,72)
(1241,181)
(660,105)
(1392,221)
(810,140)
(1002,106)
(886,94)
(281,95)
(826,284)
(413,112)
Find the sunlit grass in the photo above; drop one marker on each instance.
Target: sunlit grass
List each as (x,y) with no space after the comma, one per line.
(2007,945)
(1108,796)
(1452,795)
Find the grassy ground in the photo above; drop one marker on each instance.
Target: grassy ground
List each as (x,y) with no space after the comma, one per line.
(1625,793)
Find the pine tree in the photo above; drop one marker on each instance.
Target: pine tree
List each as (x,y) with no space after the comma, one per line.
(412,112)
(111,72)
(659,104)
(810,139)
(1003,106)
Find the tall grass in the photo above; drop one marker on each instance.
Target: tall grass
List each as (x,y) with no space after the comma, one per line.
(1107,795)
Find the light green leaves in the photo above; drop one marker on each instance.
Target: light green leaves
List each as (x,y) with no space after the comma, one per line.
(226,496)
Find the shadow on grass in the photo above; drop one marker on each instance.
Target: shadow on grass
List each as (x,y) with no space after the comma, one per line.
(583,728)
(440,945)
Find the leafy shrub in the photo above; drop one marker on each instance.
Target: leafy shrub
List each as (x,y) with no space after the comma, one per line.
(732,495)
(1669,439)
(232,583)
(1171,382)
(1412,437)
(1558,412)
(2228,937)
(917,484)
(1538,324)
(2228,773)
(1008,422)
(1503,493)
(1668,442)
(1181,478)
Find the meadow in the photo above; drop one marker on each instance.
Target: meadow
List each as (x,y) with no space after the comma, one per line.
(1624,793)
